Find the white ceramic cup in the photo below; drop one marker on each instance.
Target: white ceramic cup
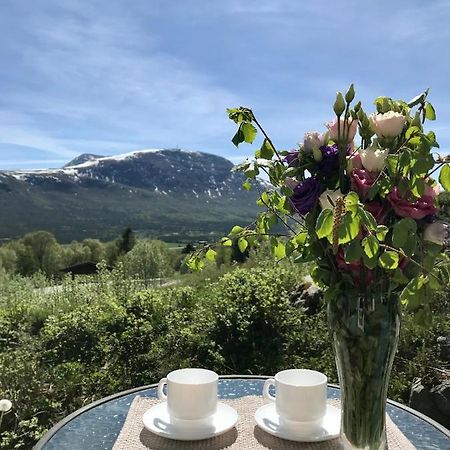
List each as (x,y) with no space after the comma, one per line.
(300,394)
(191,393)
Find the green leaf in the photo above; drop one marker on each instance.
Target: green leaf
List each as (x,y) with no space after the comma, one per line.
(324,224)
(211,254)
(411,131)
(444,177)
(249,132)
(226,242)
(381,232)
(236,230)
(371,246)
(240,114)
(351,201)
(247,185)
(301,238)
(194,263)
(266,151)
(399,277)
(418,187)
(348,228)
(278,249)
(353,251)
(392,164)
(242,244)
(239,137)
(370,263)
(367,218)
(404,230)
(388,260)
(430,113)
(423,164)
(413,295)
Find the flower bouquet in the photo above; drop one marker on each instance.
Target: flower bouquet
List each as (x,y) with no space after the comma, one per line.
(365,215)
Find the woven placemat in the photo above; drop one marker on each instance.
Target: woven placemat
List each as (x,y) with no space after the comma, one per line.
(245,436)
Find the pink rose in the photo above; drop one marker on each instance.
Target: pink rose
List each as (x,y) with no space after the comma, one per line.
(348,126)
(354,161)
(377,210)
(361,181)
(418,209)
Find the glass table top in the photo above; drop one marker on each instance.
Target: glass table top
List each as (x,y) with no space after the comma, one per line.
(97,428)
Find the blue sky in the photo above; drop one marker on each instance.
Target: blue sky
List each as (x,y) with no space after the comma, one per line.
(111,76)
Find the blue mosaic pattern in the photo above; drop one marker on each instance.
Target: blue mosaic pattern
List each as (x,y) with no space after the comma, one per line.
(98,428)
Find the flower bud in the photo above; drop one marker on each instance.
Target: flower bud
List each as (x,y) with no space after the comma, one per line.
(357,107)
(350,95)
(339,104)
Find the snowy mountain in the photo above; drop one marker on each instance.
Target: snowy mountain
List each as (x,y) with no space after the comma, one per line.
(156,191)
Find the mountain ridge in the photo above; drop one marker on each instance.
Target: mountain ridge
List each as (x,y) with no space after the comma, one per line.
(160,192)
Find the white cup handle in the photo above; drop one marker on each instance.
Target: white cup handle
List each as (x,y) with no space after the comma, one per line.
(160,392)
(266,394)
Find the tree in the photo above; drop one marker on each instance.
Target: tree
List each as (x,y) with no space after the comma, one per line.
(189,248)
(44,249)
(127,241)
(149,259)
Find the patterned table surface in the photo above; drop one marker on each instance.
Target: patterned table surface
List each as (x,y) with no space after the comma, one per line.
(97,426)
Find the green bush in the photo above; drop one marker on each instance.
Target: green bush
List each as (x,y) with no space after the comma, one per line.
(62,347)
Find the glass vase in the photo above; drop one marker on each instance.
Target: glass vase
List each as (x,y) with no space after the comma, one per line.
(365,329)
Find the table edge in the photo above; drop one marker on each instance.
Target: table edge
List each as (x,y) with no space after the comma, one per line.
(50,433)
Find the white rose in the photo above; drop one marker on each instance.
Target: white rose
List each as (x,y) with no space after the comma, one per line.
(373,158)
(312,140)
(388,125)
(325,197)
(437,232)
(5,405)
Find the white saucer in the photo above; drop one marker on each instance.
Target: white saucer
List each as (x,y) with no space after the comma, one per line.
(327,428)
(158,420)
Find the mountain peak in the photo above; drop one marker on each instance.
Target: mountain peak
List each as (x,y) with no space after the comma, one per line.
(88,160)
(82,159)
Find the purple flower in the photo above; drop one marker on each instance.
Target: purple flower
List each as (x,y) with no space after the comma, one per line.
(291,159)
(330,159)
(306,195)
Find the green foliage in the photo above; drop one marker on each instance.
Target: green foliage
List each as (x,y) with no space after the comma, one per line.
(444,177)
(64,346)
(149,259)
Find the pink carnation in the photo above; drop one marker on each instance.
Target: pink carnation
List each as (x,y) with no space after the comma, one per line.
(418,209)
(361,181)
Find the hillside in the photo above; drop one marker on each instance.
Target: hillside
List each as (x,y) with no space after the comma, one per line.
(172,193)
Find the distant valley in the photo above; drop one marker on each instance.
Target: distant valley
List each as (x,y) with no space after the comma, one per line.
(167,193)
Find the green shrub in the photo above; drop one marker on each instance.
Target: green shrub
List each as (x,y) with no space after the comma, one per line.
(62,347)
